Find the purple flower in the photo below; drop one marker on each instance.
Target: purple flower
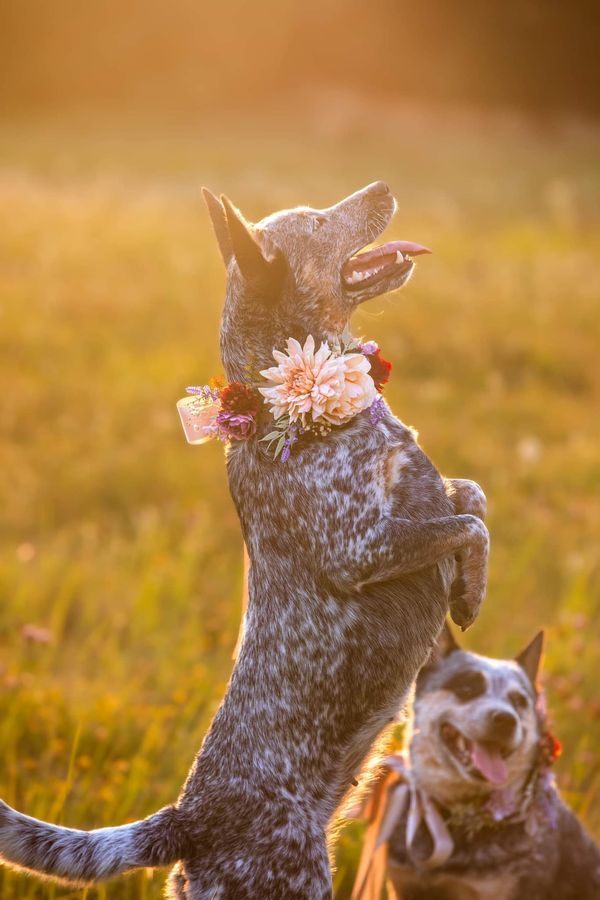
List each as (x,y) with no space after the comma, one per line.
(203,391)
(235,426)
(548,803)
(369,348)
(377,410)
(292,437)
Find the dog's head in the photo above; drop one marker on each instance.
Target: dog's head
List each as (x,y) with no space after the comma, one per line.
(476,724)
(300,271)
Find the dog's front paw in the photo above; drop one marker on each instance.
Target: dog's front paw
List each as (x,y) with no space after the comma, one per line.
(464,607)
(468,588)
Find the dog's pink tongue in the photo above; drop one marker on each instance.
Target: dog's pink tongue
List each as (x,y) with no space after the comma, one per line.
(487,758)
(408,247)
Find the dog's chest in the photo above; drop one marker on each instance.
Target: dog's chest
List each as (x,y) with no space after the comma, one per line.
(340,485)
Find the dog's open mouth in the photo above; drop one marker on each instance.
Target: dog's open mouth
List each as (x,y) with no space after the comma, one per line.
(485,760)
(380,263)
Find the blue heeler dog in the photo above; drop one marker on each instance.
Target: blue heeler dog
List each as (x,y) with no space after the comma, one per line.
(357,547)
(475,812)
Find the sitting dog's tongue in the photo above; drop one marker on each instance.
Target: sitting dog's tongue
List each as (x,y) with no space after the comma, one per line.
(488,759)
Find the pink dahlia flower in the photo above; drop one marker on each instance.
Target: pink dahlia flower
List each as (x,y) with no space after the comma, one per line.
(320,384)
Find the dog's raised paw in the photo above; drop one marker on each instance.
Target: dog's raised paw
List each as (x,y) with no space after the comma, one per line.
(463,607)
(458,589)
(459,607)
(461,615)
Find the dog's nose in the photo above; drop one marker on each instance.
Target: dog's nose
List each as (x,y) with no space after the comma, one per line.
(379,188)
(502,723)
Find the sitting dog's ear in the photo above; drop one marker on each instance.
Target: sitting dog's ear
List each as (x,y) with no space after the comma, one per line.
(446,642)
(219,222)
(529,658)
(260,268)
(443,647)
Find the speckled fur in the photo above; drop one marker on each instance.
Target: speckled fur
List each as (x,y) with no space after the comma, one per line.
(352,548)
(503,863)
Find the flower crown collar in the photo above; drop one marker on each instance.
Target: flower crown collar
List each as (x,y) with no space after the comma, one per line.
(309,391)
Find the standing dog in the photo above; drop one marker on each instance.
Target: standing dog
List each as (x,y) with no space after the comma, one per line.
(352,548)
(479,816)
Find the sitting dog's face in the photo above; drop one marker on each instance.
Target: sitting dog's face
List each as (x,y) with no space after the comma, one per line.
(299,271)
(476,726)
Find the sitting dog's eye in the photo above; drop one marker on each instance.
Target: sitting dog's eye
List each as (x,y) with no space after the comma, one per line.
(518,700)
(467,691)
(467,686)
(318,221)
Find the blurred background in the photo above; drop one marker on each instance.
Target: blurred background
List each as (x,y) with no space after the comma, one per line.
(120,552)
(191,56)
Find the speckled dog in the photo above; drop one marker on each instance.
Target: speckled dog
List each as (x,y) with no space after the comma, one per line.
(353,546)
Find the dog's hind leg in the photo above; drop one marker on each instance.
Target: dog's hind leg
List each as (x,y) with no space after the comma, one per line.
(177,884)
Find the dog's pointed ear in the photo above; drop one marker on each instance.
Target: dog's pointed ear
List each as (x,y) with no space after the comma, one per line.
(529,659)
(446,642)
(219,223)
(256,265)
(443,647)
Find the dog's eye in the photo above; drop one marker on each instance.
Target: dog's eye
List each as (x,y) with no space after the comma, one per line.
(518,700)
(318,221)
(467,691)
(466,685)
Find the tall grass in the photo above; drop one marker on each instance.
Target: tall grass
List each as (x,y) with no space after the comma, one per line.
(119,543)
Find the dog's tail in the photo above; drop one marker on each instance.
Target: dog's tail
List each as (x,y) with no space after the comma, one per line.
(82,857)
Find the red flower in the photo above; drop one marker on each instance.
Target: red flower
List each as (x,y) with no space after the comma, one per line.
(551,747)
(239,399)
(380,369)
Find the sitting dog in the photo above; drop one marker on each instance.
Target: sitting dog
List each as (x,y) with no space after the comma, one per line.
(353,544)
(475,813)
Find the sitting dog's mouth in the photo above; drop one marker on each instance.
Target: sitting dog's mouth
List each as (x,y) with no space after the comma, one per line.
(482,760)
(389,262)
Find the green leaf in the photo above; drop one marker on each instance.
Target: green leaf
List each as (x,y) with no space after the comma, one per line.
(270,436)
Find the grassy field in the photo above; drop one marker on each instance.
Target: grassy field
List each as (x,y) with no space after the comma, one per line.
(120,553)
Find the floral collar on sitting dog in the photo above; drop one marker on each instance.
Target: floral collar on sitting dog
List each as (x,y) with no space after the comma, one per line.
(504,808)
(309,391)
(396,793)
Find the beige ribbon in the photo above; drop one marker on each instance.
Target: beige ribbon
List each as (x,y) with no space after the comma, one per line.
(383,809)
